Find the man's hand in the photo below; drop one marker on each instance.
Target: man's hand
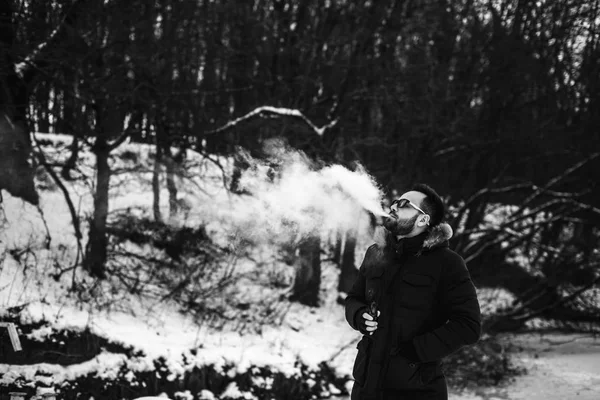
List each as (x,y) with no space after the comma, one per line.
(368,323)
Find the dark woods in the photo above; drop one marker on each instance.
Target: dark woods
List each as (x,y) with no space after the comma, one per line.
(490,102)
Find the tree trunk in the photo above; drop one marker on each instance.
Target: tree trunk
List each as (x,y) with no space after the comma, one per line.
(337,247)
(42,96)
(14,161)
(109,123)
(239,165)
(15,142)
(348,271)
(72,161)
(171,184)
(308,273)
(95,257)
(72,125)
(156,184)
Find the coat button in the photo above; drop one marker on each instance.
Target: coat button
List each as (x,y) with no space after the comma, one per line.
(412,365)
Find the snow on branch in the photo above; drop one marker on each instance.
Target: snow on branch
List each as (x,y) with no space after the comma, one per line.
(31,61)
(20,67)
(283,112)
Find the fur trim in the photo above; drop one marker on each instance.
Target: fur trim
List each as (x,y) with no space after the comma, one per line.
(437,235)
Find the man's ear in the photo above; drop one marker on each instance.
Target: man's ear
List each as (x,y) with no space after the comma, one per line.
(424,220)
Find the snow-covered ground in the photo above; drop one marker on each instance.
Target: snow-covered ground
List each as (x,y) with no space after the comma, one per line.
(311,335)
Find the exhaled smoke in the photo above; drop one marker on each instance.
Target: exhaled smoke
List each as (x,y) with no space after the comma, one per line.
(290,197)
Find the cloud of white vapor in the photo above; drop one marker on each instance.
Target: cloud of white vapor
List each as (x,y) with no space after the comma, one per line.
(289,197)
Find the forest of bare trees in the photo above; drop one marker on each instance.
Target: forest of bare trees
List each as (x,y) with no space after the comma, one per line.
(489,101)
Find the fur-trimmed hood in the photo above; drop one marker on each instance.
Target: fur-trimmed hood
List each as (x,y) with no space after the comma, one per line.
(438,235)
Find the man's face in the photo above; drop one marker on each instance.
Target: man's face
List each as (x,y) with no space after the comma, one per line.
(403,220)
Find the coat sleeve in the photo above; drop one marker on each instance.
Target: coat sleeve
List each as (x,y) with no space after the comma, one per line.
(355,301)
(463,327)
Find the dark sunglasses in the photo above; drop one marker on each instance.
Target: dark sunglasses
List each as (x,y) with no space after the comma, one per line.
(401,203)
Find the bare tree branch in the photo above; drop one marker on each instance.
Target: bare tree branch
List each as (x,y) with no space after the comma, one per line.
(558,178)
(282,112)
(133,119)
(59,183)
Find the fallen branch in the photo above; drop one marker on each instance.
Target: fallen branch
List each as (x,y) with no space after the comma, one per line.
(524,316)
(556,179)
(14,336)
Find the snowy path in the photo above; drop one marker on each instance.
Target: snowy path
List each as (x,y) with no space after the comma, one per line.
(561,367)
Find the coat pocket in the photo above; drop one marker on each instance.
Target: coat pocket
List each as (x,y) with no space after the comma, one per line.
(417,291)
(417,280)
(359,372)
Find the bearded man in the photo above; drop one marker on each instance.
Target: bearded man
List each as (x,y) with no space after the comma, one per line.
(413,301)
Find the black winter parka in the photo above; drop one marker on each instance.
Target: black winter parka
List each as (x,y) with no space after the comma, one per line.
(429,309)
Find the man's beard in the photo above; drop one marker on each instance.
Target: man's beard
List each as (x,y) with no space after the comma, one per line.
(400,227)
